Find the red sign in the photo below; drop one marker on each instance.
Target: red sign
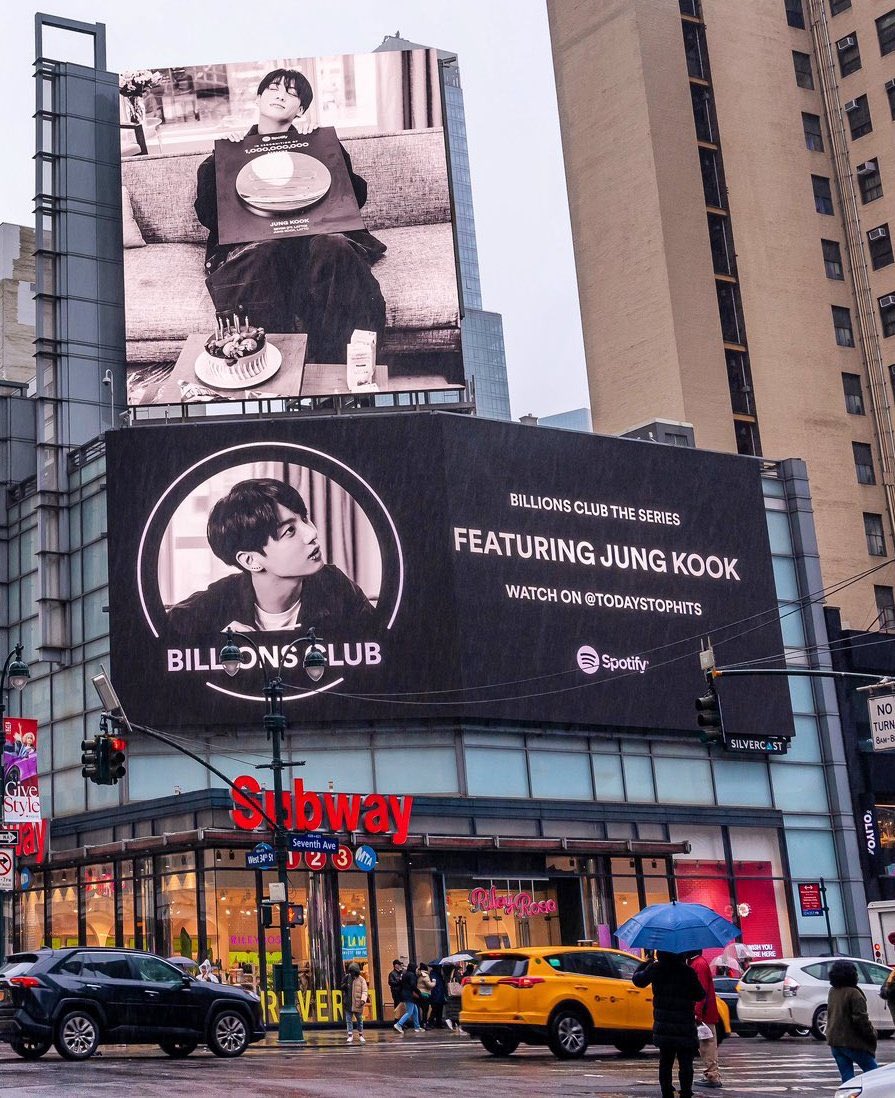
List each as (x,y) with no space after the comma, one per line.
(32,840)
(521,904)
(343,858)
(314,859)
(810,899)
(305,810)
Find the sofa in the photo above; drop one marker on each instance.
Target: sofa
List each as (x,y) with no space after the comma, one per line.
(407,208)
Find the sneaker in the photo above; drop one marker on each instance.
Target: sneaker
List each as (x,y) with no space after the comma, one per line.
(350,1038)
(398,1028)
(449,1023)
(362,1040)
(416,1029)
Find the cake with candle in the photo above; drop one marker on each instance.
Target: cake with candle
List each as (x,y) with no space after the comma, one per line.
(237,350)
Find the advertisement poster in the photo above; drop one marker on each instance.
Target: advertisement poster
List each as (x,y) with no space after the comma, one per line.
(451,566)
(21,795)
(300,205)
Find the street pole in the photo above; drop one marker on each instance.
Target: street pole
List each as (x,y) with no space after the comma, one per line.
(18,676)
(823,900)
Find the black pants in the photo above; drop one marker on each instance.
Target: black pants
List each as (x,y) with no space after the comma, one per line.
(436,1015)
(423,1005)
(685,1059)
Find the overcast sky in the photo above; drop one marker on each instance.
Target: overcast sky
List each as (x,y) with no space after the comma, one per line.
(522,218)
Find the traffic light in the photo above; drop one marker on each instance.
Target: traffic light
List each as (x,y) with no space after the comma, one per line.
(90,763)
(115,751)
(708,708)
(295,915)
(267,915)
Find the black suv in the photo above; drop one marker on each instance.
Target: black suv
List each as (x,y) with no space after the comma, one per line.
(77,999)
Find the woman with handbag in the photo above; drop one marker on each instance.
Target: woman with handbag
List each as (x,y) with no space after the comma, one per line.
(850,1033)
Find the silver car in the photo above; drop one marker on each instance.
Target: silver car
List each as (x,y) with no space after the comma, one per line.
(792,991)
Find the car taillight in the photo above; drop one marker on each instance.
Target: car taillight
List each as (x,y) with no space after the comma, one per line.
(740,987)
(522,981)
(25,981)
(790,987)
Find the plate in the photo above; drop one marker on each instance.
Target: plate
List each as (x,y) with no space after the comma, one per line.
(486,990)
(214,372)
(282,182)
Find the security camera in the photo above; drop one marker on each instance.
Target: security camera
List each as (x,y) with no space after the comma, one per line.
(107,379)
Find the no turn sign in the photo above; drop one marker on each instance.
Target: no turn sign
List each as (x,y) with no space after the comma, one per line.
(7,870)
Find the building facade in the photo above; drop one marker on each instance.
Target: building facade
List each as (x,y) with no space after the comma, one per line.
(731,208)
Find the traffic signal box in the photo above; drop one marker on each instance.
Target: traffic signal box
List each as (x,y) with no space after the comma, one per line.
(295,914)
(102,759)
(708,709)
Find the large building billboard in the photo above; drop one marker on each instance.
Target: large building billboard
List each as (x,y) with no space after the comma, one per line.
(453,567)
(288,230)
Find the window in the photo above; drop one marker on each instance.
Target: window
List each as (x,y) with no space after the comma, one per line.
(814,140)
(879,244)
(694,50)
(504,966)
(832,259)
(690,7)
(870,183)
(153,970)
(845,337)
(849,54)
(885,603)
(625,967)
(890,92)
(739,379)
(863,456)
(836,6)
(885,32)
(795,15)
(711,178)
(820,971)
(747,437)
(823,196)
(732,327)
(854,394)
(887,314)
(801,62)
(873,531)
(702,112)
(719,239)
(857,111)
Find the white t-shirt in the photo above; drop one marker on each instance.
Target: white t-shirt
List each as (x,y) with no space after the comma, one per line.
(288,619)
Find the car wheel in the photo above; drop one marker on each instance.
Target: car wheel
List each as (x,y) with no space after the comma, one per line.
(630,1048)
(773,1033)
(29,1048)
(77,1035)
(819,1025)
(567,1035)
(801,1031)
(177,1050)
(229,1034)
(499,1046)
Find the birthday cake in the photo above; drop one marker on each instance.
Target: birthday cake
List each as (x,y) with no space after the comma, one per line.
(237,349)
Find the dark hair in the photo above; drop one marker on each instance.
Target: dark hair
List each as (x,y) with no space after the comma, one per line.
(843,974)
(397,962)
(246,518)
(295,82)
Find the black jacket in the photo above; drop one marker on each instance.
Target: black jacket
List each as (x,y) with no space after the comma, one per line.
(394,985)
(334,607)
(408,987)
(676,989)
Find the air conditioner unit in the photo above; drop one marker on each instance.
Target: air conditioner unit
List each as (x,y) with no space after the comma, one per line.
(878,234)
(889,85)
(866,168)
(846,43)
(887,302)
(851,105)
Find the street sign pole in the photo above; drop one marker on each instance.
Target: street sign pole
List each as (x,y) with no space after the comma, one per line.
(823,897)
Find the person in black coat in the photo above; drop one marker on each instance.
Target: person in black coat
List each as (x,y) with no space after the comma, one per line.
(676,990)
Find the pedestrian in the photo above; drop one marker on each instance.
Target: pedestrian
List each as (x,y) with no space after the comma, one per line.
(437,998)
(409,997)
(850,1033)
(207,973)
(676,990)
(424,986)
(394,986)
(354,996)
(707,1017)
(887,991)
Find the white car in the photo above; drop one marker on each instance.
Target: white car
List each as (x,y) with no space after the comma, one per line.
(792,991)
(873,1084)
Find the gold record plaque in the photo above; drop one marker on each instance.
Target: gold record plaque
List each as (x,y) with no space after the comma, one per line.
(282,182)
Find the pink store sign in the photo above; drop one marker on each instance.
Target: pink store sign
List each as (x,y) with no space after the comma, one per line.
(520,904)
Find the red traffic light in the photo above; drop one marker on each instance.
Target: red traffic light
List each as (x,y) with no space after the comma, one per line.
(118,744)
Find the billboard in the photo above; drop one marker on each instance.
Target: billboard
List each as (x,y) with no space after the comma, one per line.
(21,793)
(288,230)
(453,567)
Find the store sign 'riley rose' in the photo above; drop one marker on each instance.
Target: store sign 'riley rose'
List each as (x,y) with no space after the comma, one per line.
(520,904)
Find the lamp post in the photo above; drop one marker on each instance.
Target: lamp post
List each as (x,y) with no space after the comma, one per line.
(17,671)
(314,664)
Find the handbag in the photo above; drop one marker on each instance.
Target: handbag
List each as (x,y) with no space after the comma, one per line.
(704,1032)
(454,988)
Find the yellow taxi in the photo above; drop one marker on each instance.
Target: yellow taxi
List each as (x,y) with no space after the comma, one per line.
(566,997)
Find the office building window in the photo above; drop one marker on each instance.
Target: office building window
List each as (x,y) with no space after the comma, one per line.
(885,603)
(722,248)
(854,394)
(863,456)
(849,54)
(711,178)
(691,7)
(845,337)
(801,62)
(795,14)
(732,327)
(823,196)
(870,182)
(885,32)
(814,140)
(879,244)
(887,314)
(836,6)
(890,92)
(739,379)
(702,113)
(857,111)
(748,441)
(832,259)
(873,531)
(694,49)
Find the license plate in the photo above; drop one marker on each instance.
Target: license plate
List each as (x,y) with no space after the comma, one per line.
(762,995)
(486,990)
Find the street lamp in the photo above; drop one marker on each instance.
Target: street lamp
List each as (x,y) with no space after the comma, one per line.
(314,664)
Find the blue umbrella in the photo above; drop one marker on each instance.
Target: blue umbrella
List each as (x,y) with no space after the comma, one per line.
(677,928)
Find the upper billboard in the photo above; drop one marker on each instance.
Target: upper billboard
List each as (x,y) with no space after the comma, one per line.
(453,568)
(288,230)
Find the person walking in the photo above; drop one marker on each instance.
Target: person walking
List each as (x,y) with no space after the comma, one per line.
(355,993)
(707,1016)
(409,996)
(676,990)
(850,1033)
(424,986)
(394,985)
(437,998)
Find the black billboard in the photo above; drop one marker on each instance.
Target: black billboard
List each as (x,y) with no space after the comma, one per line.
(453,567)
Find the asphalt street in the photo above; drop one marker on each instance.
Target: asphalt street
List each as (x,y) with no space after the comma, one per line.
(414,1067)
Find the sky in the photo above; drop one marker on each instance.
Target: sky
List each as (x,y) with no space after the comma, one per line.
(521,207)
